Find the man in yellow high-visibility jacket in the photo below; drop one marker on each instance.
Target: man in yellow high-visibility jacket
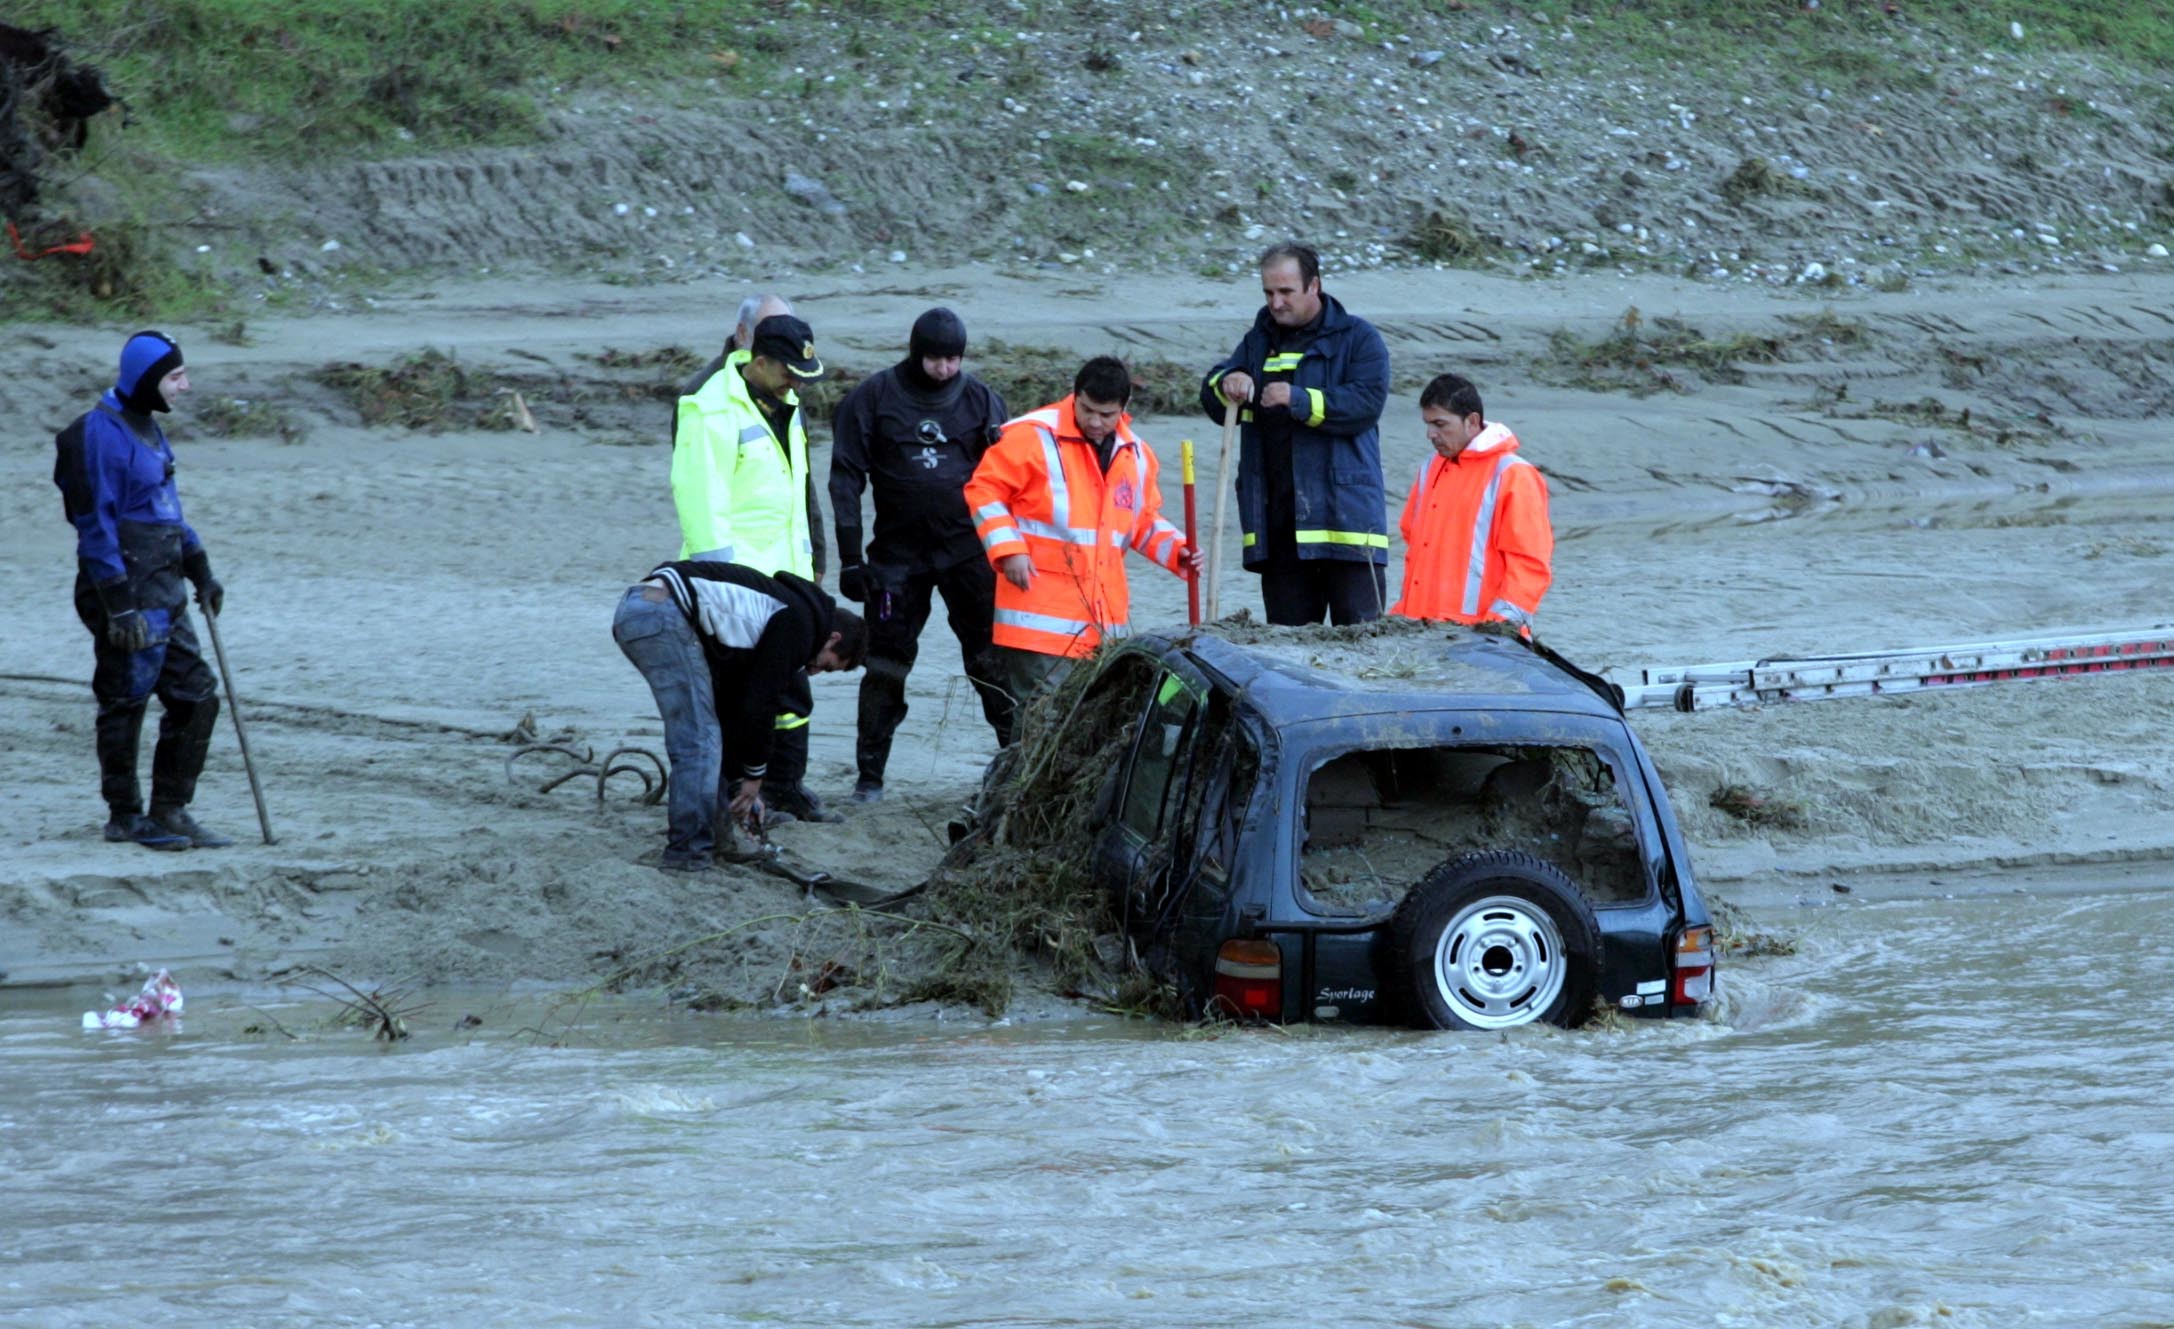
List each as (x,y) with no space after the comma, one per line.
(754,309)
(740,456)
(740,484)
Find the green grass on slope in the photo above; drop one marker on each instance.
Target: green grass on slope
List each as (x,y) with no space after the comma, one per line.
(224,79)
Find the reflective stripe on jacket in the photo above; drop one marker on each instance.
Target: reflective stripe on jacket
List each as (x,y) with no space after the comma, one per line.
(1041,491)
(741,497)
(1339,382)
(1476,534)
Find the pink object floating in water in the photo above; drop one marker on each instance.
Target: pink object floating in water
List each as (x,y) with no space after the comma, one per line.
(160,997)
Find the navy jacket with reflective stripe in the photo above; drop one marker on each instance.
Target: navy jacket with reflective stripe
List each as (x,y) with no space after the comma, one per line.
(1337,393)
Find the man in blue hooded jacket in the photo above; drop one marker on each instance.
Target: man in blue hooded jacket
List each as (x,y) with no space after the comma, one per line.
(1309,381)
(133,552)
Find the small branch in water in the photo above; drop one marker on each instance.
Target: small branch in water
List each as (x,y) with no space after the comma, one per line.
(385,1013)
(277,1027)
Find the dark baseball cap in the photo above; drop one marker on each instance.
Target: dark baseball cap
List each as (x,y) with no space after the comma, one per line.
(790,342)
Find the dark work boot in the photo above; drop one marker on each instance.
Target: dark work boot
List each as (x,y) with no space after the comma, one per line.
(799,803)
(868,791)
(177,821)
(134,826)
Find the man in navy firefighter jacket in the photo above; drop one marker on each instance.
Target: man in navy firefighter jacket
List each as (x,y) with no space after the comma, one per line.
(133,552)
(1309,381)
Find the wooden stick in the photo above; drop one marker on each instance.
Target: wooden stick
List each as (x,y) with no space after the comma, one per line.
(1223,480)
(234,708)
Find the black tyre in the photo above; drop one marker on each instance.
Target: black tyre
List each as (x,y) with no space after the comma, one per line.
(1493,939)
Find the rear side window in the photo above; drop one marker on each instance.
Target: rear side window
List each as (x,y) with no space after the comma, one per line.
(1378,820)
(1161,745)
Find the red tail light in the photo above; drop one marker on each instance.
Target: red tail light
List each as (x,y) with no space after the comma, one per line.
(1693,978)
(1249,980)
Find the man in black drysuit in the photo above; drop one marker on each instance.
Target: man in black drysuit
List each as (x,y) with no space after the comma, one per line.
(133,552)
(916,431)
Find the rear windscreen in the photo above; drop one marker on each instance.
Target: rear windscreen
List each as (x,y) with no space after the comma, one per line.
(1378,820)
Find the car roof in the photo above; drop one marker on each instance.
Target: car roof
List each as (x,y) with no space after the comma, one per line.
(1391,664)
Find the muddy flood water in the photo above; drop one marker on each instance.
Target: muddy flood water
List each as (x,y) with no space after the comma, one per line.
(1940,1112)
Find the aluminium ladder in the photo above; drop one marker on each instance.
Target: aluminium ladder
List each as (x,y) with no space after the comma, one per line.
(1917,669)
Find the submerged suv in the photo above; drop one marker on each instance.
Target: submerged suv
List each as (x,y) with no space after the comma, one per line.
(1394,823)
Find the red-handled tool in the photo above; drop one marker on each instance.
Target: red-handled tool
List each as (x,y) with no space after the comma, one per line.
(1192,536)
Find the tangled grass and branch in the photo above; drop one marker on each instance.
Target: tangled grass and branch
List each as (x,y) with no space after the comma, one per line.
(1021,886)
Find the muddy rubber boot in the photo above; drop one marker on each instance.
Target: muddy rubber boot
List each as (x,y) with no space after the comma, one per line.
(134,826)
(177,821)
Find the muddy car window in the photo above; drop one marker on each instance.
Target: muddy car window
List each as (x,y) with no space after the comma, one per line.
(1161,744)
(1378,820)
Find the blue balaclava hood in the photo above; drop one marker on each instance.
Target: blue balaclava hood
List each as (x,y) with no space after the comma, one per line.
(148,358)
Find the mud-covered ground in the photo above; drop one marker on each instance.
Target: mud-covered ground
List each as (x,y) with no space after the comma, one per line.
(400,601)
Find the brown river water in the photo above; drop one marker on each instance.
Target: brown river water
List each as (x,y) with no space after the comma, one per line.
(1938,1111)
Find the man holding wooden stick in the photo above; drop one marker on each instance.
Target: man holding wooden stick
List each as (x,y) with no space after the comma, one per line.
(1057,501)
(1309,381)
(134,552)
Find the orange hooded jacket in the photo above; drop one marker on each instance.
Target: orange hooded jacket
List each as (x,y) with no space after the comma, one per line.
(1476,534)
(1040,490)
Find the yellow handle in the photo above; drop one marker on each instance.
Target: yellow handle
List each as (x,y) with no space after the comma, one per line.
(1185,455)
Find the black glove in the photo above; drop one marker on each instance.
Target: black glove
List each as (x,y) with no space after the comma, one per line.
(127,630)
(853,582)
(125,627)
(196,566)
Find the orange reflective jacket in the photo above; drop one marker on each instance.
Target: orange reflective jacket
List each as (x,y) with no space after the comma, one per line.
(1476,535)
(1041,491)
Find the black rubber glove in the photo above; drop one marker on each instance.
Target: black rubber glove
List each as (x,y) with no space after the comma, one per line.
(127,630)
(210,595)
(125,627)
(853,582)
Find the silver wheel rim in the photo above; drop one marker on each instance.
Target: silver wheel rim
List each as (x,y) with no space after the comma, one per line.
(1500,962)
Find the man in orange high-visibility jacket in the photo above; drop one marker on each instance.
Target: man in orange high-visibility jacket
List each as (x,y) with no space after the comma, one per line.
(1056,501)
(1476,533)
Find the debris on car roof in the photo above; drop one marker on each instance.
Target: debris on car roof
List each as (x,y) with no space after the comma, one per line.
(1389,650)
